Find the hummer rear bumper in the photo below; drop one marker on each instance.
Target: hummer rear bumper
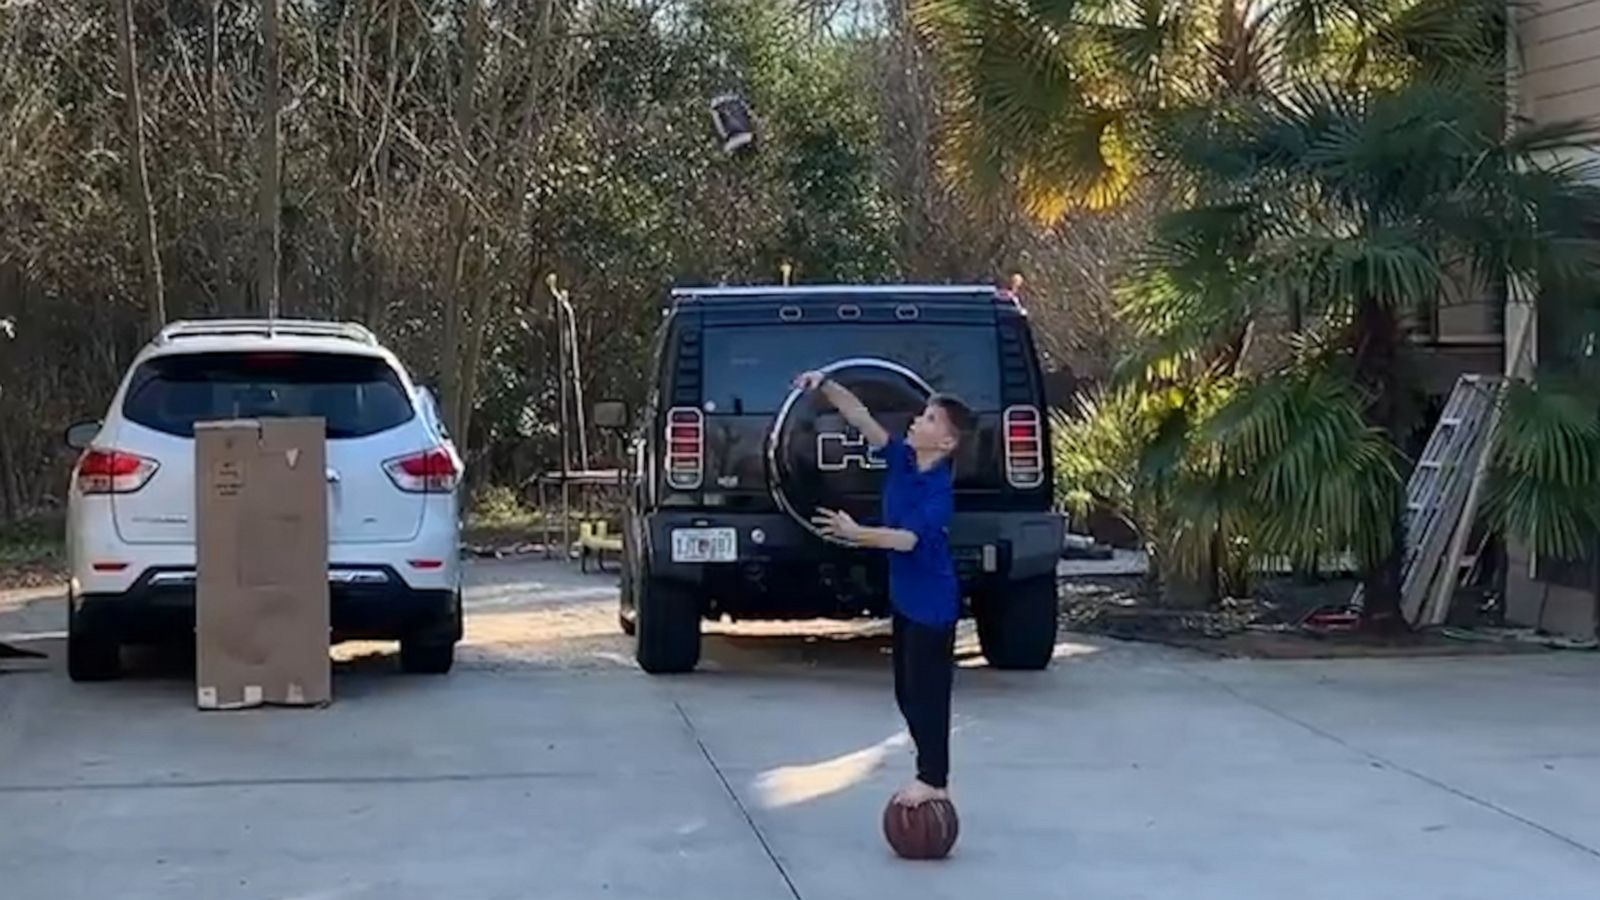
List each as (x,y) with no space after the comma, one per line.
(781,570)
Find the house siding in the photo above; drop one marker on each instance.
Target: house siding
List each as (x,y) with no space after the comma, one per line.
(1560,67)
(1554,70)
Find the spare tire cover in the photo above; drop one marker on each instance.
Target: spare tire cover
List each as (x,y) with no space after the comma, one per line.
(816,461)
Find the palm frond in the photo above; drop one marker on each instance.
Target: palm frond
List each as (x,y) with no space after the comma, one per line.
(1321,479)
(1002,82)
(1096,452)
(1545,486)
(1395,265)
(1393,153)
(1195,284)
(1537,214)
(1306,27)
(1086,160)
(1442,38)
(1131,450)
(1261,138)
(1145,42)
(1246,57)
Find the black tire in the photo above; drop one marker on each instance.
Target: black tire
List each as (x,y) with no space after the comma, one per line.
(427,657)
(627,615)
(667,627)
(91,657)
(1017,626)
(432,651)
(627,579)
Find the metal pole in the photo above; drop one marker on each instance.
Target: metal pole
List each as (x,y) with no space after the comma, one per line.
(561,378)
(566,439)
(579,412)
(571,368)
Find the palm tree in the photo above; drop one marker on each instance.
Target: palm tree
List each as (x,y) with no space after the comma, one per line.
(1354,212)
(1067,100)
(1338,164)
(1216,472)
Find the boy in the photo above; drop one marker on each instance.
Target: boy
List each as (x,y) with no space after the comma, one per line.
(918,500)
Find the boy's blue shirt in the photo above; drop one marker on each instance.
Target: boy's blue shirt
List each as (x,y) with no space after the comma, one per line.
(922,584)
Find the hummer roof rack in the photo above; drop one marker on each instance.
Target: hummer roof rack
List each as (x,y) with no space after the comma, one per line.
(826,291)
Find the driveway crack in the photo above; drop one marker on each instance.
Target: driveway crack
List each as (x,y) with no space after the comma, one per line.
(761,838)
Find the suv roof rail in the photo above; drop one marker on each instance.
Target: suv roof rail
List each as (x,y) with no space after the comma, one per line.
(267,328)
(801,292)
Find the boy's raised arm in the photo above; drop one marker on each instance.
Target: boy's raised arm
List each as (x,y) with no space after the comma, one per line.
(848,404)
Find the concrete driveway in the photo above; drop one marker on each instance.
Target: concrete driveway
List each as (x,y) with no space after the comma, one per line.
(547,767)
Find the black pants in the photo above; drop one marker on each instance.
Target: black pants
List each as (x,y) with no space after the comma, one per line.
(924,673)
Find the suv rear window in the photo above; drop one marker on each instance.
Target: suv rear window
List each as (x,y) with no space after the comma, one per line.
(749,369)
(356,395)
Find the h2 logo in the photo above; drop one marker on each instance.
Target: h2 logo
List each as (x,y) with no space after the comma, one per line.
(838,451)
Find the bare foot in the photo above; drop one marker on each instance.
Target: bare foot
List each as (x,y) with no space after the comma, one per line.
(918,792)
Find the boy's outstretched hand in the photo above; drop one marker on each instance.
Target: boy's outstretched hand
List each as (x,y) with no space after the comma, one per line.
(809,381)
(837,524)
(849,405)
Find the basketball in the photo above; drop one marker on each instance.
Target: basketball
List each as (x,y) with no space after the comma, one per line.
(925,831)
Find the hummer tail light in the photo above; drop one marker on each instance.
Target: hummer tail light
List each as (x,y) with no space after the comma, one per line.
(1024,447)
(686,448)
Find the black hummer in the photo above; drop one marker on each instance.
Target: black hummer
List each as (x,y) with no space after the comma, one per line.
(731,462)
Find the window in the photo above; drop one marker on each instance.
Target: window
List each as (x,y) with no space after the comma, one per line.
(357,396)
(750,369)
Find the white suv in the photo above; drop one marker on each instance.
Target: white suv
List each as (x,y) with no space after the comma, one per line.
(393,476)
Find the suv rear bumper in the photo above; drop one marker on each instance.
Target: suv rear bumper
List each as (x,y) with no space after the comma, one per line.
(791,572)
(365,603)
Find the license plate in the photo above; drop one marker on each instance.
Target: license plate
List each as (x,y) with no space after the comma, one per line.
(704,545)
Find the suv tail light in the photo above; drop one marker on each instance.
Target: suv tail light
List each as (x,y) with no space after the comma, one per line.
(429,472)
(113,472)
(1024,447)
(686,448)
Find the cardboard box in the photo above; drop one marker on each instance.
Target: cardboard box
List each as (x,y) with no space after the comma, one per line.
(261,592)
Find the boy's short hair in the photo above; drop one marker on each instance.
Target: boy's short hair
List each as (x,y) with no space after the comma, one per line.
(961,417)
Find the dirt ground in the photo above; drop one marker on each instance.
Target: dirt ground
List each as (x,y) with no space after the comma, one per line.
(1269,626)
